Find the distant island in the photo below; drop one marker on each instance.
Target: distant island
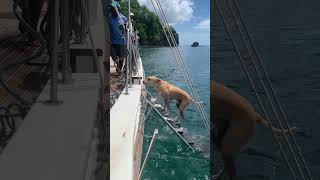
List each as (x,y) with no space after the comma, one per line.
(195,44)
(148,25)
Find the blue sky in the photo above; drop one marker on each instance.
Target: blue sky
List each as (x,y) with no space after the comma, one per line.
(198,27)
(190,18)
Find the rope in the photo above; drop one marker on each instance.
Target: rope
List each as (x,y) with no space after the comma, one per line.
(255,91)
(272,90)
(8,117)
(179,60)
(4,83)
(262,82)
(33,33)
(265,89)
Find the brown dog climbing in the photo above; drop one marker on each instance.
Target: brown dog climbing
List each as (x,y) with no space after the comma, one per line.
(169,92)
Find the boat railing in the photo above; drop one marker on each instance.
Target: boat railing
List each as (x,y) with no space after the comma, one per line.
(61,10)
(133,55)
(131,62)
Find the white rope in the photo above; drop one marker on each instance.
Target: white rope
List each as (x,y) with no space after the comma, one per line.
(265,89)
(273,93)
(255,91)
(261,80)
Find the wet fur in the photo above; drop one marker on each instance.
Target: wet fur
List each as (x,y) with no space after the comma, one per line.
(234,121)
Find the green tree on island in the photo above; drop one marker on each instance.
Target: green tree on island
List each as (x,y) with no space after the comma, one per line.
(148,25)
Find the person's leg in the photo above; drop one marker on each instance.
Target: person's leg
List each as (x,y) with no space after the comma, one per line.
(120,56)
(113,53)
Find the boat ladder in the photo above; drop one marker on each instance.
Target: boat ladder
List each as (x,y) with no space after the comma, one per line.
(175,125)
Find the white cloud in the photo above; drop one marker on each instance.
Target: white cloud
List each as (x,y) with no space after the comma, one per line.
(176,11)
(205,25)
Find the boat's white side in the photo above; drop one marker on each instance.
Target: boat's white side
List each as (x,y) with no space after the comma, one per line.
(124,125)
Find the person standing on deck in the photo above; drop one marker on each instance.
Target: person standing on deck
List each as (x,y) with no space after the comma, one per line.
(117,35)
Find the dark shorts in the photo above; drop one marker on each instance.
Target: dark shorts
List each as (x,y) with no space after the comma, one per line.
(118,51)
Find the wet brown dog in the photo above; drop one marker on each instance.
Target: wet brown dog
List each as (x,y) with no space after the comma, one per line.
(169,92)
(234,121)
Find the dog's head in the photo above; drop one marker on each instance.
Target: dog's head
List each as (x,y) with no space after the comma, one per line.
(151,80)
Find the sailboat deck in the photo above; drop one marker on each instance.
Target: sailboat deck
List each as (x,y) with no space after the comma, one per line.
(54,140)
(123,116)
(126,121)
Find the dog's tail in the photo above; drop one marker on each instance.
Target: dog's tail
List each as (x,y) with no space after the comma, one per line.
(276,130)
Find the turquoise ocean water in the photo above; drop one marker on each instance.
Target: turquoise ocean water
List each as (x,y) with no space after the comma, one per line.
(170,159)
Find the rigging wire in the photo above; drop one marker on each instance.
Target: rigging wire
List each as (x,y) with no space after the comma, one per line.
(261,79)
(178,57)
(187,73)
(255,91)
(272,89)
(264,87)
